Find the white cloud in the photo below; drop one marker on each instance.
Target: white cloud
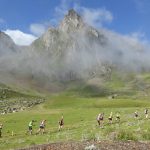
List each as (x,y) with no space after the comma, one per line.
(138,37)
(95,17)
(20,38)
(60,11)
(38,29)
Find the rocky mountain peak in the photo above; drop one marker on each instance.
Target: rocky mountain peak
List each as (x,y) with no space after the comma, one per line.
(73,14)
(3,35)
(5,39)
(71,22)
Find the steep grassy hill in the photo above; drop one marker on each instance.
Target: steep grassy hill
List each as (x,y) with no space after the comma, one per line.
(15,100)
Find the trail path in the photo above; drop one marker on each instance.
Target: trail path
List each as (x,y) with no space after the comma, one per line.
(101,145)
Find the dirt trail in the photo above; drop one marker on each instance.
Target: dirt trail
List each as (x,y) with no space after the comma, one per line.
(90,145)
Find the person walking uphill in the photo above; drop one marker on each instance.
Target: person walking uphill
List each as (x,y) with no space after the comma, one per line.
(61,123)
(118,117)
(100,119)
(1,126)
(42,127)
(146,113)
(110,118)
(31,126)
(136,114)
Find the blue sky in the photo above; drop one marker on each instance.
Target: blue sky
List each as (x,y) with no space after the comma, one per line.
(32,17)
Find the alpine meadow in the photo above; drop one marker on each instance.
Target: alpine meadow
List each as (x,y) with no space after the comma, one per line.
(76,86)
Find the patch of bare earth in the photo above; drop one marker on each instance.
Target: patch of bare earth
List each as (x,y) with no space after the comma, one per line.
(92,145)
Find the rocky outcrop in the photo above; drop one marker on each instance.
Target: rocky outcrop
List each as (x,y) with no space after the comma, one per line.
(72,49)
(12,101)
(6,44)
(72,22)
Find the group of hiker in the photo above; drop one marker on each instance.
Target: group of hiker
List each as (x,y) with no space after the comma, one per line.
(136,115)
(42,126)
(100,117)
(100,120)
(41,129)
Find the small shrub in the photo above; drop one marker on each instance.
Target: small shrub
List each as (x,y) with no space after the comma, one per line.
(146,136)
(126,135)
(109,130)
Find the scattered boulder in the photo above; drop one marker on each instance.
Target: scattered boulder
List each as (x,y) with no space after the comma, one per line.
(91,147)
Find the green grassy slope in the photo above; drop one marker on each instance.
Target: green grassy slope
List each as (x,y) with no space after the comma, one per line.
(80,106)
(12,98)
(80,121)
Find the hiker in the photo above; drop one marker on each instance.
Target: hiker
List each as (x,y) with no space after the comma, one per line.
(118,117)
(136,114)
(100,119)
(61,123)
(110,118)
(30,126)
(146,113)
(1,126)
(42,127)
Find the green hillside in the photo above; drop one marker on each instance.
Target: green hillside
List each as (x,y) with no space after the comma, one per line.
(80,104)
(12,99)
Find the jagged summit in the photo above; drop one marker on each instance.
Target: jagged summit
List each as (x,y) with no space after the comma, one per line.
(57,40)
(73,14)
(71,22)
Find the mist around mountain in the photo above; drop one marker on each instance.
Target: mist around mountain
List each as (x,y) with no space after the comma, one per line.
(73,52)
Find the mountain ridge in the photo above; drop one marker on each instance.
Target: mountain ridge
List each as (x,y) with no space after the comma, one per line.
(73,51)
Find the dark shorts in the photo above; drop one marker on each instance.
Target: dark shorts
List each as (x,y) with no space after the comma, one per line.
(30,128)
(98,120)
(118,117)
(41,127)
(110,119)
(101,119)
(61,123)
